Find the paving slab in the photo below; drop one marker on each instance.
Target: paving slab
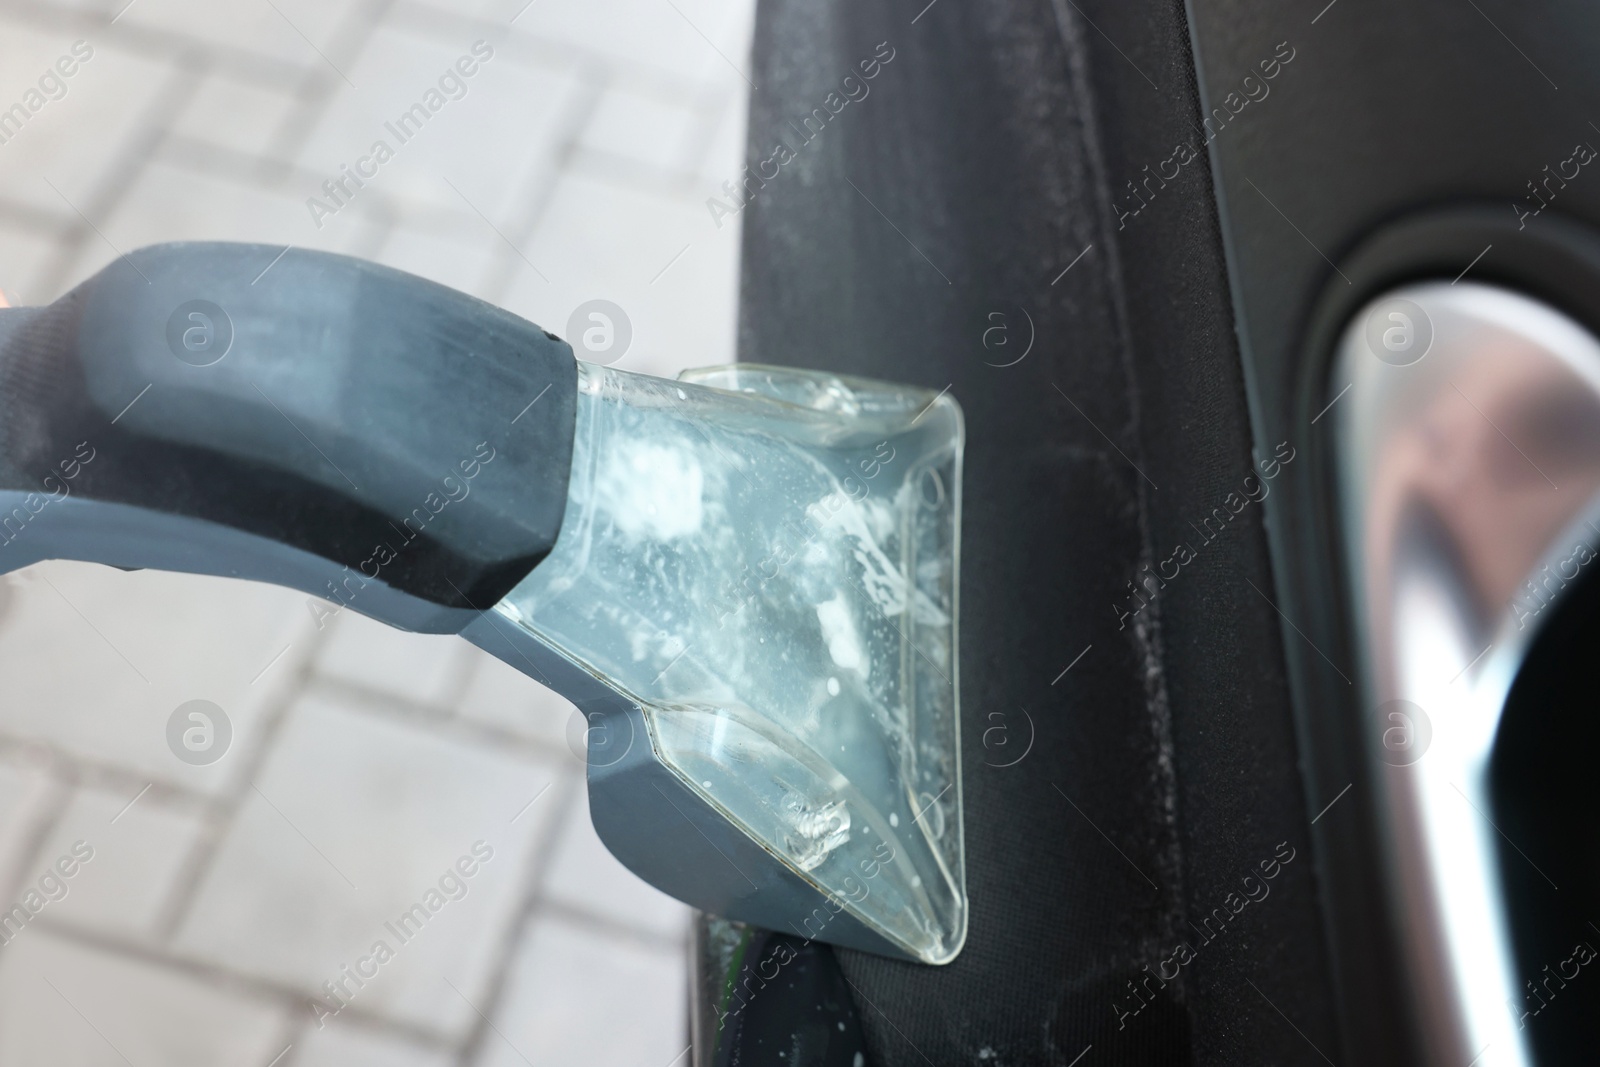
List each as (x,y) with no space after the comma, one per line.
(92,675)
(363,762)
(358,820)
(502,697)
(420,668)
(138,844)
(628,1013)
(341,1043)
(29,794)
(65,1003)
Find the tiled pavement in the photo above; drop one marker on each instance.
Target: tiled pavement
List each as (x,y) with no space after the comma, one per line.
(367,769)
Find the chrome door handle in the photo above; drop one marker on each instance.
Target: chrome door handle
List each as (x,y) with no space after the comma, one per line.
(1467,502)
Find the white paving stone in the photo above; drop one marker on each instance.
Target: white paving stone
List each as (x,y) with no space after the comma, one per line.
(138,851)
(27,257)
(421,668)
(356,819)
(618,242)
(725,149)
(629,1010)
(171,203)
(460,264)
(590,142)
(494,131)
(89,673)
(341,1043)
(703,40)
(63,1003)
(71,142)
(395,73)
(643,127)
(499,695)
(231,115)
(508,137)
(290,30)
(28,794)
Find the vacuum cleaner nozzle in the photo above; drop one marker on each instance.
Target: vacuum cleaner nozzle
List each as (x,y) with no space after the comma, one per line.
(746,579)
(764,563)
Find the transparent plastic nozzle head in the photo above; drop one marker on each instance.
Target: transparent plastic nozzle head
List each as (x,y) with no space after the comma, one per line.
(762,563)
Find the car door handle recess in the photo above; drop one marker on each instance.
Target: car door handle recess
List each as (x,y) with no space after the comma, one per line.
(1468,471)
